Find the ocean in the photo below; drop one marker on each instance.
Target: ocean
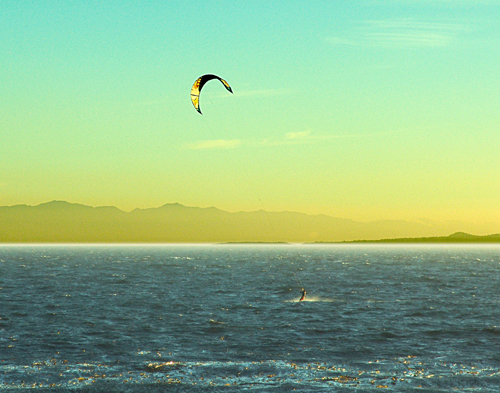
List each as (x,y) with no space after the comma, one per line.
(226,318)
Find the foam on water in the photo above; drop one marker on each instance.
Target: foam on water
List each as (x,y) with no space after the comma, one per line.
(312,299)
(405,373)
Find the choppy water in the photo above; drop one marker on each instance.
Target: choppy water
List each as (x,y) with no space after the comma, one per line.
(226,318)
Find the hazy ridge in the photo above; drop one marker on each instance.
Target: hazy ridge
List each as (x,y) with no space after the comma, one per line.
(60,221)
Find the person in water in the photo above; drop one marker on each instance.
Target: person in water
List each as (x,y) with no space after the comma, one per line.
(303,292)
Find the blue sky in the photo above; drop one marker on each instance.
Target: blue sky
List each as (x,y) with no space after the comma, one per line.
(360,109)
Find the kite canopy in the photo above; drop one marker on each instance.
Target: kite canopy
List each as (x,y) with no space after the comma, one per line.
(198,85)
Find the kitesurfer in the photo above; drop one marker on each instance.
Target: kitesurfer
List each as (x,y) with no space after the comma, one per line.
(303,292)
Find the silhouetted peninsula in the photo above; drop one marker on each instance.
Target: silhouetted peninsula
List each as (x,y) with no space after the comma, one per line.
(457,237)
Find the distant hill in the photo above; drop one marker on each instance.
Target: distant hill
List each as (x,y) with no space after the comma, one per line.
(457,237)
(60,221)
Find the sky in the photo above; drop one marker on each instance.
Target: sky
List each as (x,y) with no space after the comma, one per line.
(361,109)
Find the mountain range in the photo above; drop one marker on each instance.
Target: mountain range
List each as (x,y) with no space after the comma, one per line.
(63,222)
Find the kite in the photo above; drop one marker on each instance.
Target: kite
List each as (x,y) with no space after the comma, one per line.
(198,85)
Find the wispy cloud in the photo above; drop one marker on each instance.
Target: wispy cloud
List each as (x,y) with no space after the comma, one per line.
(411,24)
(412,39)
(405,32)
(288,139)
(297,135)
(215,144)
(308,137)
(297,138)
(409,32)
(291,138)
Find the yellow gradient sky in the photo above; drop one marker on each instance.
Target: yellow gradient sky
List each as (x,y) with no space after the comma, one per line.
(375,109)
